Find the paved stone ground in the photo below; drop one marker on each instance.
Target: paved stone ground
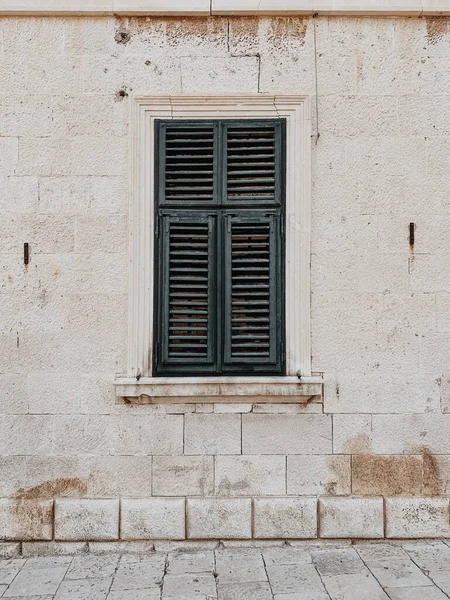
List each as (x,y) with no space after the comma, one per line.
(407,571)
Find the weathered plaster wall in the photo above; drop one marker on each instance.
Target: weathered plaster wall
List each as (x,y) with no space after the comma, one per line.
(380,308)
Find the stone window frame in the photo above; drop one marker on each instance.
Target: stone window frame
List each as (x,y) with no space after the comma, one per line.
(299,384)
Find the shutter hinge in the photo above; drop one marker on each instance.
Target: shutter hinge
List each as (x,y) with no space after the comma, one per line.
(282,227)
(156,355)
(157,227)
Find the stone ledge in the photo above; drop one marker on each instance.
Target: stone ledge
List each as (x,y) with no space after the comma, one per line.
(224,7)
(219,389)
(171,520)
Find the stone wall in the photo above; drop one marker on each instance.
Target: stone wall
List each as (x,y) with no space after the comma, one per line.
(380,307)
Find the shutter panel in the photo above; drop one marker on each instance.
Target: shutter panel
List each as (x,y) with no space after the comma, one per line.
(187,173)
(253,162)
(187,295)
(253,299)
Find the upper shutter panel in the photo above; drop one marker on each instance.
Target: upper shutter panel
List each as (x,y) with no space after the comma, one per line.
(253,297)
(253,163)
(187,294)
(187,165)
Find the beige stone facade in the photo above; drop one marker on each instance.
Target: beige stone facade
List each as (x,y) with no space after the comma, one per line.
(370,456)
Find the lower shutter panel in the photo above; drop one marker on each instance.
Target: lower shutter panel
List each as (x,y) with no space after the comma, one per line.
(187,294)
(253,298)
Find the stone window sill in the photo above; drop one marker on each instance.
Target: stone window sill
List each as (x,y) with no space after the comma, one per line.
(151,390)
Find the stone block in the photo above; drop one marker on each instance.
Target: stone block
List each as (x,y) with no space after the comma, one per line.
(101,116)
(232,408)
(388,155)
(100,32)
(30,116)
(411,434)
(276,518)
(55,477)
(278,74)
(85,394)
(438,149)
(79,520)
(109,74)
(351,518)
(9,550)
(352,434)
(397,73)
(161,434)
(146,434)
(216,518)
(250,475)
(183,475)
(315,475)
(9,155)
(100,312)
(108,548)
(222,74)
(14,392)
(212,434)
(359,115)
(118,476)
(153,518)
(61,226)
(365,36)
(99,156)
(328,158)
(95,235)
(334,272)
(401,392)
(53,548)
(382,272)
(25,435)
(12,475)
(436,475)
(387,475)
(26,519)
(417,517)
(203,408)
(44,156)
(77,195)
(285,408)
(81,434)
(18,194)
(286,434)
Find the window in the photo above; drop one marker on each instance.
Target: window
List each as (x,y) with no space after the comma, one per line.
(223,203)
(219,293)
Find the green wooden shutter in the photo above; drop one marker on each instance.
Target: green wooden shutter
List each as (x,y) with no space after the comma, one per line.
(187,314)
(219,247)
(253,293)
